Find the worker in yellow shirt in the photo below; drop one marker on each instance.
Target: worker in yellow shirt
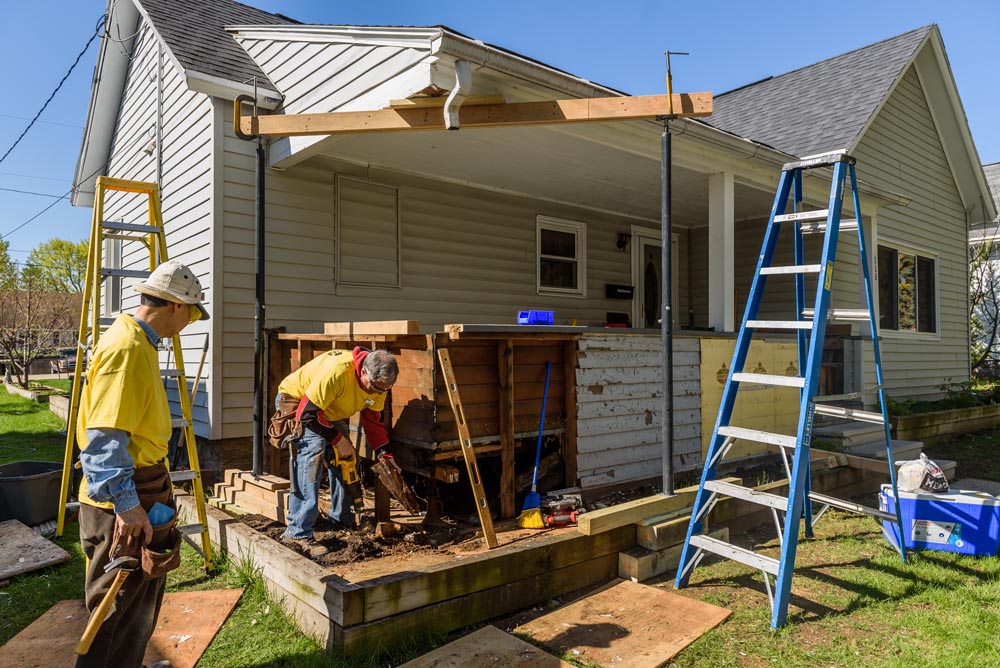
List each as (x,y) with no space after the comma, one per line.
(123,429)
(328,390)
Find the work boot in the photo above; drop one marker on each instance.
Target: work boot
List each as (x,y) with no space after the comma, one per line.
(307,546)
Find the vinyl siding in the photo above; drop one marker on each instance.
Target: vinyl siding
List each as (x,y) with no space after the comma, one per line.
(902,151)
(185,190)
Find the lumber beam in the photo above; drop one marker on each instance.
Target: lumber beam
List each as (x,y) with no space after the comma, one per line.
(372,327)
(624,108)
(505,365)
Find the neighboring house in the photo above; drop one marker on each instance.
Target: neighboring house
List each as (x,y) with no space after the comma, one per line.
(471,226)
(984,235)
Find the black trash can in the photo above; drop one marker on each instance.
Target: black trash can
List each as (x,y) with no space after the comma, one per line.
(29,491)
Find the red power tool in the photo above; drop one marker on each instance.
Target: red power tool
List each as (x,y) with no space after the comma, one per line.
(561,519)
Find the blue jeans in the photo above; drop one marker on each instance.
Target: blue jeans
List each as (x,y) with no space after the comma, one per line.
(307,471)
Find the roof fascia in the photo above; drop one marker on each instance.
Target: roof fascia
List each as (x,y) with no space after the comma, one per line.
(200,82)
(322,34)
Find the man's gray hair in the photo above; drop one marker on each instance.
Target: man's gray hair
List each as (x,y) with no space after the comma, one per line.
(381,366)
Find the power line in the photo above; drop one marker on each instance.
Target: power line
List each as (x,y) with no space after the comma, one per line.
(32,176)
(25,118)
(29,192)
(97,31)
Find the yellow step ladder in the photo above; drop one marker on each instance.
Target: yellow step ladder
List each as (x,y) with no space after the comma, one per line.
(152,236)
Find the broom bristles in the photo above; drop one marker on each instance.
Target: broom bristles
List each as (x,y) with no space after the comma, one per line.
(531,519)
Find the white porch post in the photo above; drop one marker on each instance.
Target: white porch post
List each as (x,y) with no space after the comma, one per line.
(721,253)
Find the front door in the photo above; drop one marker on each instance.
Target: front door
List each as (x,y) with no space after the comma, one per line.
(647,277)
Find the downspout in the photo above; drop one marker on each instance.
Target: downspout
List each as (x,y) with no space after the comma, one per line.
(463,84)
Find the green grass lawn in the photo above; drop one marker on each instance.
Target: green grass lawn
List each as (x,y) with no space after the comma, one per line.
(28,431)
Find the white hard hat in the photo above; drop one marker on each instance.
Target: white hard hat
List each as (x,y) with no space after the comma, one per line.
(174,282)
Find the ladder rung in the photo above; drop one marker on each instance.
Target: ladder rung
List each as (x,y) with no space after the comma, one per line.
(758,436)
(819,160)
(180,476)
(802,216)
(747,494)
(850,396)
(793,269)
(105,322)
(851,314)
(178,422)
(849,413)
(124,273)
(852,507)
(170,373)
(191,529)
(819,227)
(768,379)
(729,551)
(130,227)
(780,324)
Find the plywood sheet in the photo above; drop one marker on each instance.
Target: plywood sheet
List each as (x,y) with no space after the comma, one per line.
(23,551)
(625,624)
(187,624)
(489,646)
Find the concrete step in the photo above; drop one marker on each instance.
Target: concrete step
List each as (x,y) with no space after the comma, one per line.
(850,434)
(902,451)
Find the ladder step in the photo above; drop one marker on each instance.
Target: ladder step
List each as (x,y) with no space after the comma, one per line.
(819,160)
(768,379)
(170,373)
(178,422)
(758,436)
(124,273)
(130,227)
(191,529)
(850,314)
(852,507)
(793,269)
(849,413)
(181,476)
(802,216)
(747,494)
(729,551)
(779,324)
(819,227)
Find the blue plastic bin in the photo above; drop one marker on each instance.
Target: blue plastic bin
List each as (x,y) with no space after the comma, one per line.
(536,317)
(959,521)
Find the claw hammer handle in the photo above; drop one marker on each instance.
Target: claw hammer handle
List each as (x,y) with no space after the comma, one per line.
(97,619)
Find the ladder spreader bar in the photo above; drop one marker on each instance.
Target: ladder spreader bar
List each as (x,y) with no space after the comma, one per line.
(769,379)
(820,227)
(850,396)
(793,269)
(847,314)
(849,413)
(747,494)
(124,273)
(735,553)
(758,436)
(130,227)
(852,507)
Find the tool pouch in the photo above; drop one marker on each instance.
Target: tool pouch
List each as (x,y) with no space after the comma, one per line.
(283,426)
(158,562)
(163,553)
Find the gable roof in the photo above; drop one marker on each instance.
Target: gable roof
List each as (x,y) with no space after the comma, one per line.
(993,179)
(821,107)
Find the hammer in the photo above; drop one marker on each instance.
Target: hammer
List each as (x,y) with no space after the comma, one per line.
(126,566)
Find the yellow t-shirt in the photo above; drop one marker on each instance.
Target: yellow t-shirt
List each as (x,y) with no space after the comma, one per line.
(124,390)
(330,382)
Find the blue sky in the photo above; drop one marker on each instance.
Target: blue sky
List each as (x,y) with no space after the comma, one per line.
(619,44)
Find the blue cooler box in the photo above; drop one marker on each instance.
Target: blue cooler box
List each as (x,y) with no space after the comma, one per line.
(957,521)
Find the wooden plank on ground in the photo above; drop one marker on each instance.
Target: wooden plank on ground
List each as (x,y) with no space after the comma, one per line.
(625,624)
(186,625)
(23,551)
(638,510)
(372,327)
(489,646)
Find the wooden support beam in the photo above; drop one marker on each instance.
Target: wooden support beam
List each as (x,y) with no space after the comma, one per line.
(373,327)
(569,392)
(624,108)
(505,364)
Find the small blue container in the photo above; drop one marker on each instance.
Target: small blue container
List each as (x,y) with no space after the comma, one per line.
(956,521)
(536,317)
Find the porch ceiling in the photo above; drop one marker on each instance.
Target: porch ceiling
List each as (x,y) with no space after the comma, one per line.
(540,162)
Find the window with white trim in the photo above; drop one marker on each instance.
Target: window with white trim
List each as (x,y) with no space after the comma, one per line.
(907,290)
(562,256)
(368,234)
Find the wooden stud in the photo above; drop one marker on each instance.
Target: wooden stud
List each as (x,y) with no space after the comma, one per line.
(505,363)
(569,394)
(645,107)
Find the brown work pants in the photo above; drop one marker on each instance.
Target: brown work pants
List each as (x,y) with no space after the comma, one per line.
(121,640)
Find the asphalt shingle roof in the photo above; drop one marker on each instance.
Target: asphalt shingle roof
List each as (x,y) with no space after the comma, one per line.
(992,172)
(193,31)
(820,107)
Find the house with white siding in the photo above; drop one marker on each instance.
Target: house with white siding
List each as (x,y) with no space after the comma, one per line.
(474,225)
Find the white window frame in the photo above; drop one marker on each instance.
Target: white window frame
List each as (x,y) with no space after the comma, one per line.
(917,252)
(338,278)
(579,230)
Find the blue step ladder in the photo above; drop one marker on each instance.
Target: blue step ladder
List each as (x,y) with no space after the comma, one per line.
(810,326)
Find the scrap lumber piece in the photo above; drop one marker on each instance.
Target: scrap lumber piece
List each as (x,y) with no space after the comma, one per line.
(23,551)
(631,512)
(664,533)
(356,329)
(625,624)
(393,482)
(640,564)
(489,646)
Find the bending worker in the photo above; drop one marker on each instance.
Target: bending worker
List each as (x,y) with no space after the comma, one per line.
(329,390)
(123,430)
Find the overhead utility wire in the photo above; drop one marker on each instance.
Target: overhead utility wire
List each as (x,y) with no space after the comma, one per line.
(97,31)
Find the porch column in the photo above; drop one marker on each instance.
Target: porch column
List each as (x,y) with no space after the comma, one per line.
(721,253)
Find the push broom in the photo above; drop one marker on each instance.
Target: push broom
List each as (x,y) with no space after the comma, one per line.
(531,514)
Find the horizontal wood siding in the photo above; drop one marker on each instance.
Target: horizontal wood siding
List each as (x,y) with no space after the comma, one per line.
(185,191)
(902,152)
(619,407)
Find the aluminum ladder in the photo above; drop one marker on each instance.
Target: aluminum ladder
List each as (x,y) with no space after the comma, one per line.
(150,234)
(810,327)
